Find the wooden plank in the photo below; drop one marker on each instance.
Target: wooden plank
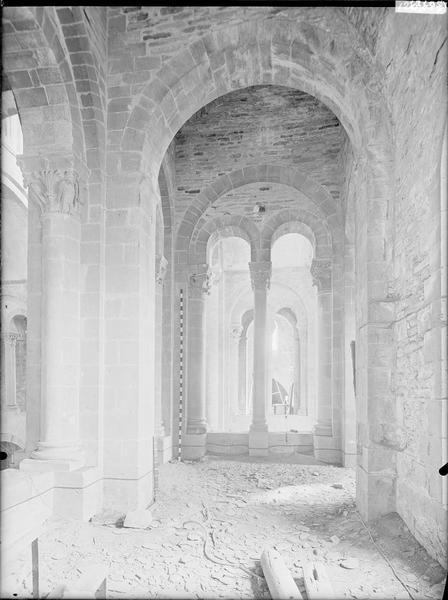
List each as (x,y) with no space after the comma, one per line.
(35,566)
(91,581)
(278,577)
(91,584)
(57,593)
(317,582)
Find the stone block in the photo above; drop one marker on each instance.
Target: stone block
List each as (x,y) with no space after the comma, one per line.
(33,465)
(193,446)
(20,79)
(128,494)
(258,443)
(78,494)
(164,449)
(27,503)
(32,97)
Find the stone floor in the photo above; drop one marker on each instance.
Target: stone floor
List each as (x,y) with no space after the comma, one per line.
(212,520)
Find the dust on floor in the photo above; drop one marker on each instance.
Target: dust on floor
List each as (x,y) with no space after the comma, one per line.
(210,524)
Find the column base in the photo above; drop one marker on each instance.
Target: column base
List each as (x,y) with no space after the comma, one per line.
(164,448)
(375,494)
(258,443)
(55,456)
(78,494)
(327,449)
(124,495)
(349,460)
(193,446)
(323,429)
(36,465)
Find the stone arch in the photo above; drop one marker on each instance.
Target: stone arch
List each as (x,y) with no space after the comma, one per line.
(12,307)
(41,80)
(246,319)
(287,312)
(159,231)
(294,227)
(233,225)
(279,51)
(9,438)
(262,173)
(87,67)
(289,315)
(167,207)
(297,221)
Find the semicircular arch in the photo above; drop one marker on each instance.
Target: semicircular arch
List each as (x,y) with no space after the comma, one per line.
(278,51)
(227,225)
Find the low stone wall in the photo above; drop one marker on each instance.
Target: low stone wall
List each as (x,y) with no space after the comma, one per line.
(279,443)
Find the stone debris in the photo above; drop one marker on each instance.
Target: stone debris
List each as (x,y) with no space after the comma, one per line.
(138,519)
(335,539)
(108,517)
(350,563)
(168,561)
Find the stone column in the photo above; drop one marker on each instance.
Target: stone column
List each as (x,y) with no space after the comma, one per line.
(270,328)
(159,428)
(10,341)
(321,274)
(57,192)
(160,272)
(212,359)
(233,373)
(298,407)
(196,432)
(242,368)
(260,274)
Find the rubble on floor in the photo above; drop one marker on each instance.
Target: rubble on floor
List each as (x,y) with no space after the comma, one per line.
(213,519)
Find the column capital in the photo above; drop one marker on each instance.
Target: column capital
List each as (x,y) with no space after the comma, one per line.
(236,331)
(260,274)
(321,273)
(55,190)
(161,268)
(199,280)
(11,338)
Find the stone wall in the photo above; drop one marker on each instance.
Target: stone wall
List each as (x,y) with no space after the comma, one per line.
(415,84)
(254,126)
(376,78)
(412,438)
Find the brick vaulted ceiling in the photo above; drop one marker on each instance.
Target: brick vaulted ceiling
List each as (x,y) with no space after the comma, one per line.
(253,126)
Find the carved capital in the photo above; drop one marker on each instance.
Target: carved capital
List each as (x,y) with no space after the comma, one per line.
(161,268)
(199,280)
(236,331)
(11,338)
(321,274)
(55,190)
(260,275)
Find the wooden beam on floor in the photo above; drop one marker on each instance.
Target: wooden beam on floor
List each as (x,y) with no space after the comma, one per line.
(92,584)
(278,577)
(317,582)
(35,566)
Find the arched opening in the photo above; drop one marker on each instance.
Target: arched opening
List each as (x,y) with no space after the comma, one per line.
(14,284)
(228,258)
(296,354)
(234,245)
